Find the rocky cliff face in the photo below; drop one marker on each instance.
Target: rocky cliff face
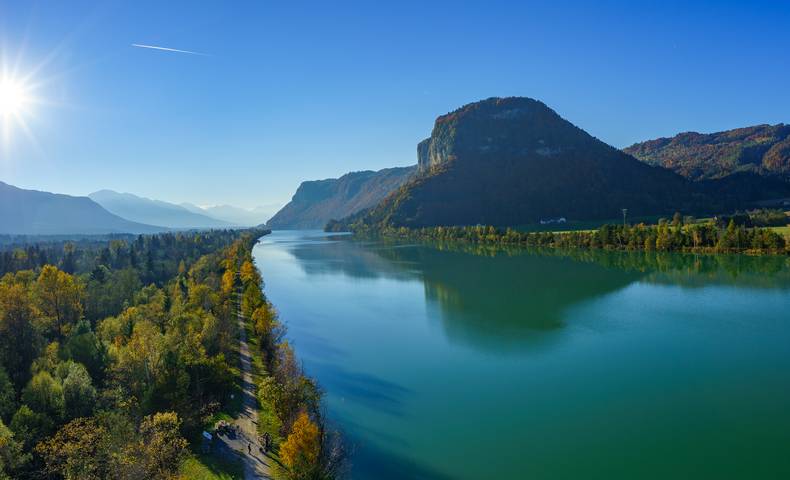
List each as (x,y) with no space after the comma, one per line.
(317,202)
(499,128)
(761,149)
(513,161)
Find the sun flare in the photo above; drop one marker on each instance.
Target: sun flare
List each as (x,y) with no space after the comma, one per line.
(13,97)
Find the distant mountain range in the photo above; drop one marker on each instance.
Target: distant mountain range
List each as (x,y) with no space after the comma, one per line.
(761,149)
(31,212)
(500,161)
(234,215)
(316,202)
(153,212)
(514,161)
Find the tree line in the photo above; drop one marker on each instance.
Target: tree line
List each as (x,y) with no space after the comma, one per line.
(676,235)
(114,354)
(290,401)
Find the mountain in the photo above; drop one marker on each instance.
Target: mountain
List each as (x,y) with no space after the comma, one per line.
(317,202)
(514,161)
(31,212)
(153,212)
(192,208)
(761,149)
(234,215)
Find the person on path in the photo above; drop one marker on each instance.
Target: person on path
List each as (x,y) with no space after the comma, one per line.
(249,448)
(267,439)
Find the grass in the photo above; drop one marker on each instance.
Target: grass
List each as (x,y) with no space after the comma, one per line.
(782,230)
(209,467)
(585,226)
(589,226)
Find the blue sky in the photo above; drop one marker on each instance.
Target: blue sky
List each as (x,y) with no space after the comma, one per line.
(292,91)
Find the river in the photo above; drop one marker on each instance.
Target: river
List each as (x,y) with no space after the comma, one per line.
(448,361)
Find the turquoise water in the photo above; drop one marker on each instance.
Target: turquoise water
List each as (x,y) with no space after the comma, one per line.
(441,361)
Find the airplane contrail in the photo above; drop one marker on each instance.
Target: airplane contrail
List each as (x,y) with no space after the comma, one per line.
(166,49)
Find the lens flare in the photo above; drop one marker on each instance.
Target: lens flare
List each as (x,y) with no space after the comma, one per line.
(13,97)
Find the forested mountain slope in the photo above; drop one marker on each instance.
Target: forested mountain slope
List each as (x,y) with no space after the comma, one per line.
(512,161)
(317,202)
(761,149)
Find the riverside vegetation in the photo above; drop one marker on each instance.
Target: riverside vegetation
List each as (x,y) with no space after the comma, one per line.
(115,355)
(681,234)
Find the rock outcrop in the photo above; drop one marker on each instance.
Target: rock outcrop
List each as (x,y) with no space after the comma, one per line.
(515,161)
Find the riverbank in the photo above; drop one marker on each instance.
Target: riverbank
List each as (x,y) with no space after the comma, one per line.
(664,237)
(289,419)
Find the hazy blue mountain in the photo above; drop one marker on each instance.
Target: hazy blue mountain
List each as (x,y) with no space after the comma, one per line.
(316,202)
(154,212)
(514,161)
(192,208)
(31,212)
(235,215)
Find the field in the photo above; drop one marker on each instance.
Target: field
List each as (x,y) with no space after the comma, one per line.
(574,226)
(202,467)
(782,230)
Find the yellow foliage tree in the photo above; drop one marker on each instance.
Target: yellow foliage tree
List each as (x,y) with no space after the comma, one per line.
(301,449)
(228,281)
(248,273)
(59,299)
(264,319)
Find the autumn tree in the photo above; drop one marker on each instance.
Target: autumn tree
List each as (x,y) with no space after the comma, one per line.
(301,450)
(139,362)
(249,274)
(202,296)
(19,342)
(228,282)
(251,299)
(58,297)
(79,450)
(162,446)
(267,328)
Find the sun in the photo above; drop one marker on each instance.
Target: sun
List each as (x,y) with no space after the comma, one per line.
(13,97)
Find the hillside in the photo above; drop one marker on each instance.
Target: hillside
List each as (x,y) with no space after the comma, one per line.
(153,212)
(31,212)
(317,202)
(761,149)
(512,161)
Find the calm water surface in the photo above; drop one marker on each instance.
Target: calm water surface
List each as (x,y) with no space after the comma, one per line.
(445,362)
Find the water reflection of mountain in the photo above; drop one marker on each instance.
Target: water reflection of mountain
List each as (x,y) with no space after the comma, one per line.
(482,301)
(491,297)
(693,271)
(499,301)
(339,255)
